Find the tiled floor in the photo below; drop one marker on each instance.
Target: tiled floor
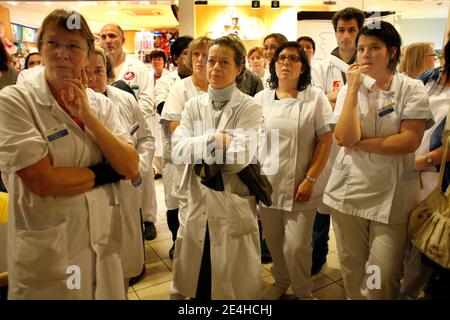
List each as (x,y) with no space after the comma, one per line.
(327,285)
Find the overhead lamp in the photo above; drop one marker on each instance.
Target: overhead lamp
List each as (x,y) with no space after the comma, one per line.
(255,4)
(275,5)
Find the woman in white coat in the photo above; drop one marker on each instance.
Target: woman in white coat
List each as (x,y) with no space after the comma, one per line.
(182,90)
(64,228)
(300,114)
(373,185)
(221,241)
(129,192)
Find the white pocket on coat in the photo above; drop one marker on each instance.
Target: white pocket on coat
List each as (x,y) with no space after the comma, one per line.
(335,187)
(42,254)
(242,215)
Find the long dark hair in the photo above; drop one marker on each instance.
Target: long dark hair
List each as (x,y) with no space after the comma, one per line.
(305,77)
(445,69)
(4,58)
(27,59)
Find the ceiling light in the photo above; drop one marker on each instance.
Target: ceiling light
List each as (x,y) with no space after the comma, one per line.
(275,5)
(255,4)
(13,3)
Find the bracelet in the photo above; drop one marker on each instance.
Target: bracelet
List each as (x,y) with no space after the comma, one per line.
(428,159)
(311,179)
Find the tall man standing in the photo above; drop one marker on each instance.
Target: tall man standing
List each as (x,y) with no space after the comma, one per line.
(346,24)
(136,75)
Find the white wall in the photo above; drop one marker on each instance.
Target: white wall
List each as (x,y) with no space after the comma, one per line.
(422,30)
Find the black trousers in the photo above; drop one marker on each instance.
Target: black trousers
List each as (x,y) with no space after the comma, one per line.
(173,223)
(320,237)
(204,277)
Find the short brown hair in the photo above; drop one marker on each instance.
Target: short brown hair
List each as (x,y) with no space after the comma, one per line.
(235,44)
(348,14)
(108,67)
(200,42)
(253,50)
(60,18)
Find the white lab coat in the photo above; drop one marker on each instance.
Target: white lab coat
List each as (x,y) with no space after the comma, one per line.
(326,77)
(163,86)
(439,104)
(383,188)
(266,78)
(162,89)
(130,197)
(155,126)
(48,235)
(135,73)
(288,224)
(179,94)
(298,121)
(230,214)
(153,82)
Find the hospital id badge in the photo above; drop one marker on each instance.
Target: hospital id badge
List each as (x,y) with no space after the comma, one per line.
(56,132)
(389,108)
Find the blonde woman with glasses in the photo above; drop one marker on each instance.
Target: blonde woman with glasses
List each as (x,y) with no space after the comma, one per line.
(62,147)
(417,58)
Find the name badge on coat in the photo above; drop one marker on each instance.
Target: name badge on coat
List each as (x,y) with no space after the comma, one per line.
(387,109)
(56,133)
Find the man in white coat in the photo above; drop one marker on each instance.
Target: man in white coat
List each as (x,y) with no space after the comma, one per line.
(136,75)
(326,76)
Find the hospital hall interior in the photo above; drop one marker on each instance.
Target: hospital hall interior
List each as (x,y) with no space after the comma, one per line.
(225,150)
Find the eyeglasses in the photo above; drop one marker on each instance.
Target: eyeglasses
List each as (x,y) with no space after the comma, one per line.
(55,45)
(292,59)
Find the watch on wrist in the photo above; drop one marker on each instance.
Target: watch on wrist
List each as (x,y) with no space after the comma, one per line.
(428,159)
(311,179)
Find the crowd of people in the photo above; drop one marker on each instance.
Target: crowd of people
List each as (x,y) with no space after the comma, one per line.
(259,152)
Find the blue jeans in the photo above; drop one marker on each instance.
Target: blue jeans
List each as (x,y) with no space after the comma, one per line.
(320,237)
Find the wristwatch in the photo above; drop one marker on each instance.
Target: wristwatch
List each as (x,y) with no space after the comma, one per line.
(311,179)
(428,160)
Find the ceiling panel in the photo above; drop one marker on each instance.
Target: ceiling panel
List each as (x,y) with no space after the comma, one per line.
(157,14)
(130,15)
